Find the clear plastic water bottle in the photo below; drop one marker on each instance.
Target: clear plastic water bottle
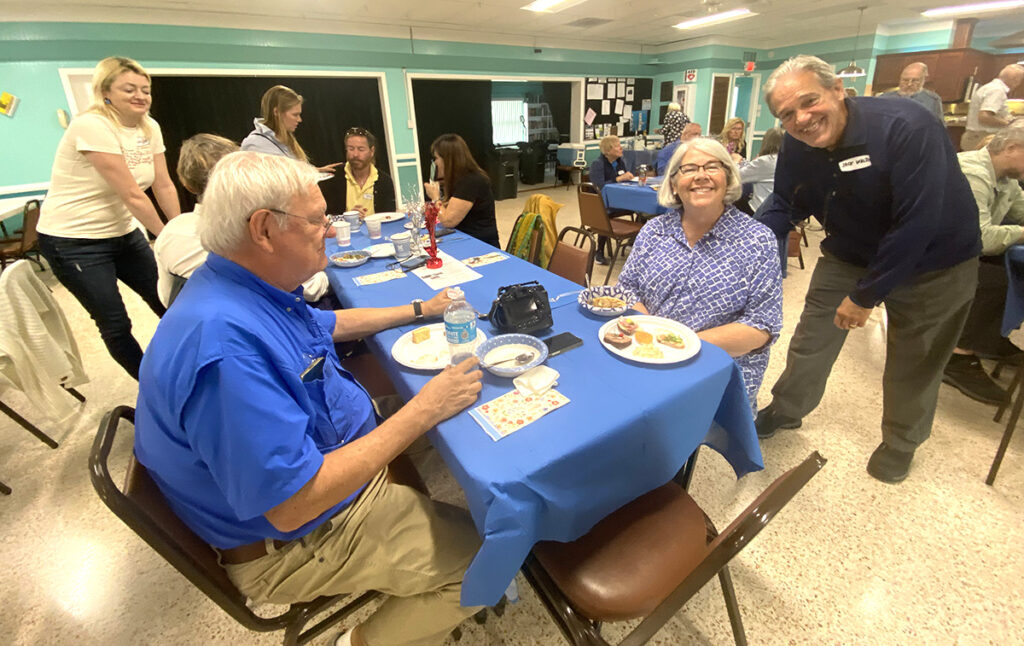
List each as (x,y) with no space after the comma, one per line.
(459,326)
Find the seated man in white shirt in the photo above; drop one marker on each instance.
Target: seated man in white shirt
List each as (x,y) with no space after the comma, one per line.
(178,251)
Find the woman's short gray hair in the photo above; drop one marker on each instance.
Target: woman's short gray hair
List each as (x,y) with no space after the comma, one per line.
(733,189)
(607,143)
(802,63)
(242,183)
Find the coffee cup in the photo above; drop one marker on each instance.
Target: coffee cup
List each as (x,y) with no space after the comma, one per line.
(403,244)
(352,217)
(343,232)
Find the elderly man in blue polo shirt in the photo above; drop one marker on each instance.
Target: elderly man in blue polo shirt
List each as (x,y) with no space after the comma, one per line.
(267,448)
(901,227)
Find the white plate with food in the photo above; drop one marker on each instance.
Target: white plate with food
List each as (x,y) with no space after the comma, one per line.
(382,250)
(425,348)
(350,258)
(649,339)
(391,216)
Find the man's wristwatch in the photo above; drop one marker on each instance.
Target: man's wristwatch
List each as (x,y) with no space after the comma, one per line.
(417,308)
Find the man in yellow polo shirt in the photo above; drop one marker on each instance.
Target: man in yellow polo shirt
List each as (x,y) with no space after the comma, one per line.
(359,185)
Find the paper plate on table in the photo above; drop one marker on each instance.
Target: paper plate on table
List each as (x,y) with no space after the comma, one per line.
(383,250)
(430,353)
(390,216)
(350,258)
(654,340)
(503,347)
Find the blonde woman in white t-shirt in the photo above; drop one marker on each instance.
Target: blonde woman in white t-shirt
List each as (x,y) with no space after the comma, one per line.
(109,155)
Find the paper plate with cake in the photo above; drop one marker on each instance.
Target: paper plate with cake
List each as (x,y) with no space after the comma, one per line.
(425,347)
(649,339)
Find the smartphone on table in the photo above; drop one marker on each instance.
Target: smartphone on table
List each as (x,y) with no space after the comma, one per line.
(562,343)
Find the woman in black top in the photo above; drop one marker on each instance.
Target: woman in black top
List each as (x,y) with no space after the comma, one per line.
(469,202)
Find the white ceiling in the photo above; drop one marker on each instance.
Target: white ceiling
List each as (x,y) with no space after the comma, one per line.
(643,26)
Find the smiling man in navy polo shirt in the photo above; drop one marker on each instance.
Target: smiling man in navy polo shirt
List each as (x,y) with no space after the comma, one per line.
(271,452)
(901,228)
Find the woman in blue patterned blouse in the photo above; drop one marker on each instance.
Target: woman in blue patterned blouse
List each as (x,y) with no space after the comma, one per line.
(707,265)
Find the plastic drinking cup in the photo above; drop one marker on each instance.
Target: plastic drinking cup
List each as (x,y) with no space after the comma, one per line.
(343,232)
(373,227)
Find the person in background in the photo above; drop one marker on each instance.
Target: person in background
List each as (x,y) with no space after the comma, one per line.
(274,131)
(707,265)
(988,112)
(912,80)
(734,138)
(109,155)
(361,186)
(993,173)
(689,131)
(268,449)
(178,249)
(609,167)
(851,92)
(675,121)
(913,246)
(468,200)
(759,173)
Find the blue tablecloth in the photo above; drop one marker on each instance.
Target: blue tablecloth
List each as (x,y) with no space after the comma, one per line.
(628,428)
(633,197)
(1013,315)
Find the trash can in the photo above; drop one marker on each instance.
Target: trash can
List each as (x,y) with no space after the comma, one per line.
(532,161)
(503,169)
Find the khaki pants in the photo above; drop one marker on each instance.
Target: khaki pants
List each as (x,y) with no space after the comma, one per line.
(391,539)
(925,316)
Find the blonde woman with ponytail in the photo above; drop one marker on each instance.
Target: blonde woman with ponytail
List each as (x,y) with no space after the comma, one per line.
(274,130)
(109,155)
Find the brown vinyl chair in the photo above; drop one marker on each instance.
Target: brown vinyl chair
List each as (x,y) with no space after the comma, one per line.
(793,245)
(594,218)
(648,558)
(18,247)
(142,507)
(574,262)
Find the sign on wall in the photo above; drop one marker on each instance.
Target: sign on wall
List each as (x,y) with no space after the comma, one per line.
(690,76)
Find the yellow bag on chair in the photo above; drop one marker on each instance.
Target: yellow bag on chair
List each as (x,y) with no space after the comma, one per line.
(540,212)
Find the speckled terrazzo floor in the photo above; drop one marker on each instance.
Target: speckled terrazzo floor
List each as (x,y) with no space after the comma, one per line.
(935,560)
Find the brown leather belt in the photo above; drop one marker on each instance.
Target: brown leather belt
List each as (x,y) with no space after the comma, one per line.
(250,552)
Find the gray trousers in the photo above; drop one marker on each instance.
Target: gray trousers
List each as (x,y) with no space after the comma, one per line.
(925,316)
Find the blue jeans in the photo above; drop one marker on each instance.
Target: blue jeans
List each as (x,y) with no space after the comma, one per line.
(90,270)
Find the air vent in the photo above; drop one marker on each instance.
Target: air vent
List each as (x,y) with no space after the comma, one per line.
(587,23)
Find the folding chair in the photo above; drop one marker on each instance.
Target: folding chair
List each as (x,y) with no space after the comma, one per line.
(649,558)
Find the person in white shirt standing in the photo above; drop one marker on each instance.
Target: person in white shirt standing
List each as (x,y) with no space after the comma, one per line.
(109,155)
(988,112)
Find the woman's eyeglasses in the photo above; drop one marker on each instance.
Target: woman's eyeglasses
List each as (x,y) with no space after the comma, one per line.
(356,131)
(711,168)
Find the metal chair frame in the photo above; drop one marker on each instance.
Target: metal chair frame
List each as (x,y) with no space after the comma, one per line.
(203,570)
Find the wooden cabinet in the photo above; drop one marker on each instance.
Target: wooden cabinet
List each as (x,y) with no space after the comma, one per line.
(948,70)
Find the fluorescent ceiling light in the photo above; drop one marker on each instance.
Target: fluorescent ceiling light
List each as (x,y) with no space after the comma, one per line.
(551,6)
(715,18)
(973,8)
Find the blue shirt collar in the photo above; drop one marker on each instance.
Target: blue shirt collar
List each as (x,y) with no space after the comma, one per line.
(671,224)
(239,274)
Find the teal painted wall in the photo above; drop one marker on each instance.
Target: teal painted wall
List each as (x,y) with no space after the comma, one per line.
(32,54)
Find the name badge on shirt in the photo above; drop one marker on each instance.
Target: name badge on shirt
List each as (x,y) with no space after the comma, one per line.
(367,196)
(855,163)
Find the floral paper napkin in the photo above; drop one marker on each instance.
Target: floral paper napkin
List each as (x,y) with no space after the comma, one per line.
(379,277)
(486,259)
(514,410)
